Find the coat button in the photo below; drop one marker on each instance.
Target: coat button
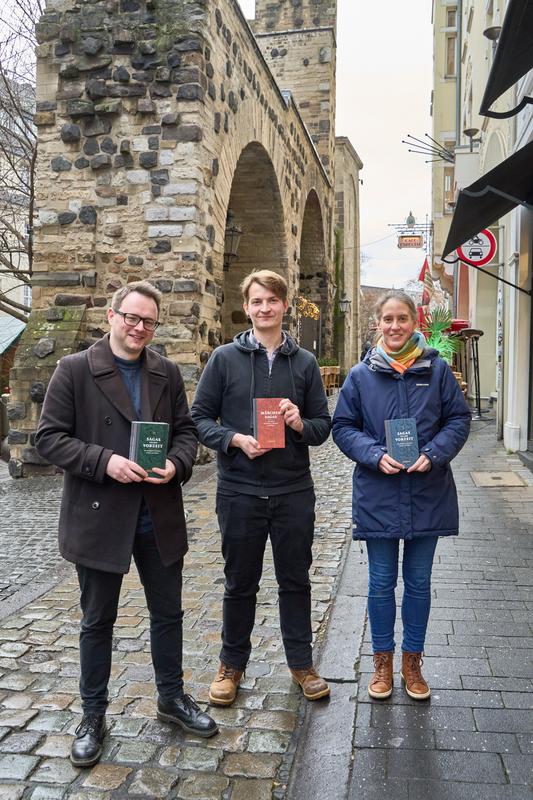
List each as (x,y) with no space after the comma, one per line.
(95,505)
(88,470)
(108,421)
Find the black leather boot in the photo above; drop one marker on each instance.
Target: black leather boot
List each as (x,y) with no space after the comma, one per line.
(183,711)
(87,746)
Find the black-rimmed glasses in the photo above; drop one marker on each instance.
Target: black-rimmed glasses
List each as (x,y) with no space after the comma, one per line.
(132,320)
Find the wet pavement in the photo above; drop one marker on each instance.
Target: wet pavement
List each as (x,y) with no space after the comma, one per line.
(474,739)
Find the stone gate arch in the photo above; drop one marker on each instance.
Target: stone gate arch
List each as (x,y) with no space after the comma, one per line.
(256,204)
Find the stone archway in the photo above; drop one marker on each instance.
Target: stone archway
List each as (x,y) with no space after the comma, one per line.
(313,334)
(256,204)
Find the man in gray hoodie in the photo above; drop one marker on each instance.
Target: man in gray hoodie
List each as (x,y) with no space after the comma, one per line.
(264,492)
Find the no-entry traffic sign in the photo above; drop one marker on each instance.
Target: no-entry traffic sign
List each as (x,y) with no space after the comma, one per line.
(479,250)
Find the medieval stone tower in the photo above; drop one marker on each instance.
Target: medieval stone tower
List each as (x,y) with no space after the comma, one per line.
(297,38)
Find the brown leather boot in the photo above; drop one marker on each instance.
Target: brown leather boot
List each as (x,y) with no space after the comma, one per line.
(381,682)
(223,690)
(415,685)
(313,686)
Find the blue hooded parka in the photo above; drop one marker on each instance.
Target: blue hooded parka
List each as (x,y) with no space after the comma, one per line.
(402,506)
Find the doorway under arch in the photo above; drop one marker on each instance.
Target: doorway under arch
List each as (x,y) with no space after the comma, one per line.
(314,334)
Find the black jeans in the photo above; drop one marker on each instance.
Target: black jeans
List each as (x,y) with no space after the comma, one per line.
(100,593)
(245,522)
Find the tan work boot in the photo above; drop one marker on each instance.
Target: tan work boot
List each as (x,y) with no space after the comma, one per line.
(223,690)
(415,685)
(313,686)
(381,682)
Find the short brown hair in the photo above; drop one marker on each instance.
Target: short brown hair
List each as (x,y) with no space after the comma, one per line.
(141,287)
(401,297)
(268,280)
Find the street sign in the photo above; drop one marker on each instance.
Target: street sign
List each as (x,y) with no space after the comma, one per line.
(478,250)
(410,241)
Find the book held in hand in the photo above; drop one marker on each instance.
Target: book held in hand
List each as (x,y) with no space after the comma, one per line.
(269,422)
(402,440)
(148,445)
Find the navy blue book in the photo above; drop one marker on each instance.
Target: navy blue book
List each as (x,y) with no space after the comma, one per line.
(402,440)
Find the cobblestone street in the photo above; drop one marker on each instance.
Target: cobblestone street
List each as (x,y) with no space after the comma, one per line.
(473,740)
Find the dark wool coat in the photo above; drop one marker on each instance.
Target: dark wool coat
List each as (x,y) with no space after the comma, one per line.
(402,506)
(86,417)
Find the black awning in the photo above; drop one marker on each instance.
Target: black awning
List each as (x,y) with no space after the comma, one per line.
(495,194)
(513,57)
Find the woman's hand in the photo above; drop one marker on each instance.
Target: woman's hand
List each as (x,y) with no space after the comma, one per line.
(389,466)
(422,464)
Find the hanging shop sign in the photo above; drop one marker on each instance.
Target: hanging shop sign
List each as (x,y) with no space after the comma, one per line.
(411,240)
(479,250)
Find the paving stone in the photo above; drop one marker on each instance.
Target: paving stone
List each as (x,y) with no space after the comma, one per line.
(256,765)
(471,767)
(418,739)
(482,742)
(16,719)
(20,742)
(152,782)
(230,740)
(369,788)
(268,742)
(503,721)
(55,746)
(445,790)
(48,793)
(202,787)
(196,758)
(251,790)
(124,726)
(11,791)
(136,752)
(16,767)
(519,768)
(106,777)
(49,721)
(273,720)
(54,770)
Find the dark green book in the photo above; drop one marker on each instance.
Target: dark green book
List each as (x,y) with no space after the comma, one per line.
(149,445)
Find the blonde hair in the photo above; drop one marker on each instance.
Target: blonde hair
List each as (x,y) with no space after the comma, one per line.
(268,280)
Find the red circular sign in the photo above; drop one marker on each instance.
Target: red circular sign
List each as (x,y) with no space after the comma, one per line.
(479,249)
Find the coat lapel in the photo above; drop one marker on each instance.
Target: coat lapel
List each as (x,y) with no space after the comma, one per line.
(107,378)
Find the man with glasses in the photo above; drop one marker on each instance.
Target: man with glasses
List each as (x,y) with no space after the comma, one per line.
(112,510)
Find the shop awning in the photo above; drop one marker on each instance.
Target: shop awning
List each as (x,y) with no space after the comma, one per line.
(492,196)
(513,57)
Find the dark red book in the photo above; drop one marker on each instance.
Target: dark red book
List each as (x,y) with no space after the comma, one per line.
(269,423)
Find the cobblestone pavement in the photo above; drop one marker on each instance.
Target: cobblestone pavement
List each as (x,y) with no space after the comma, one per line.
(473,740)
(39,705)
(29,558)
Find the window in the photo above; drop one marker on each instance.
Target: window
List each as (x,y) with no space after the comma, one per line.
(27,295)
(451,18)
(449,189)
(451,55)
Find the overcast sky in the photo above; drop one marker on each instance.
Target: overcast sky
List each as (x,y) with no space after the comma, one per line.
(384,77)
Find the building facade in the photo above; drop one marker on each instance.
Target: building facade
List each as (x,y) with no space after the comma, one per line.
(482,144)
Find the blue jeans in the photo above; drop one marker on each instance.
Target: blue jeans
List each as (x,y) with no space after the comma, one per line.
(100,592)
(382,578)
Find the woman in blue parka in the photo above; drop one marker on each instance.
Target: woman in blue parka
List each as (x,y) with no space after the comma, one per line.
(400,378)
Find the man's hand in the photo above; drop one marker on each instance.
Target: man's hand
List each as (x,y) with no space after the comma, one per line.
(249,445)
(389,466)
(291,414)
(165,474)
(124,471)
(422,464)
